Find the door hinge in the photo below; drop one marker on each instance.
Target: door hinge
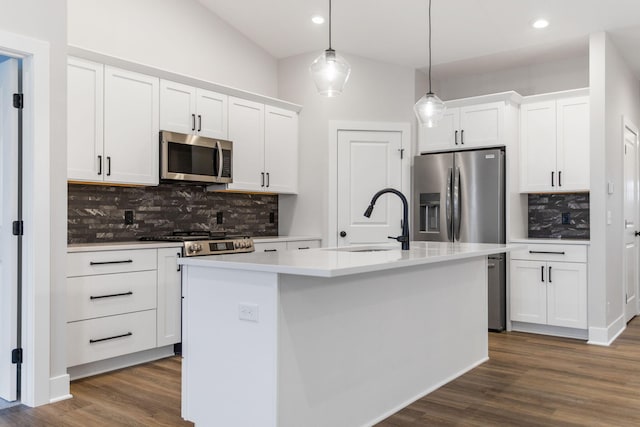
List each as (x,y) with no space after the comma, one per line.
(401,150)
(16,356)
(18,228)
(18,100)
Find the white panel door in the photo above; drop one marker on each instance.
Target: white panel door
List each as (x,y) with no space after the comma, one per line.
(567,294)
(573,144)
(443,136)
(9,213)
(630,260)
(528,300)
(169,311)
(177,107)
(481,125)
(131,127)
(85,97)
(246,130)
(538,147)
(281,150)
(211,108)
(368,161)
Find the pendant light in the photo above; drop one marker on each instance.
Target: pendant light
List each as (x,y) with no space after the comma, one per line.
(330,71)
(429,109)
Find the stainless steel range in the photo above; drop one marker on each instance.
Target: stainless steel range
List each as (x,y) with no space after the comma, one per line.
(202,243)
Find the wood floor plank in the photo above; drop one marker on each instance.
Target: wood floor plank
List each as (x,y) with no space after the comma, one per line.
(529,381)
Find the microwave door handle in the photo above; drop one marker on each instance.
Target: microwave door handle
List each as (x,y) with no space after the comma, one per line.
(220,160)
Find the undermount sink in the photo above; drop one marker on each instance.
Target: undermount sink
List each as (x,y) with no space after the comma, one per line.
(369,250)
(361,249)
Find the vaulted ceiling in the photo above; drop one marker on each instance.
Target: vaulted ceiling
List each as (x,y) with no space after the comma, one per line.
(494,33)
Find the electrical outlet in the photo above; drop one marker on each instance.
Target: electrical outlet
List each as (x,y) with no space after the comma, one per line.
(128,217)
(272,217)
(219,217)
(248,312)
(566,218)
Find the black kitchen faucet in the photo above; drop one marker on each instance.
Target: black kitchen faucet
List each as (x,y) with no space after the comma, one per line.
(404,239)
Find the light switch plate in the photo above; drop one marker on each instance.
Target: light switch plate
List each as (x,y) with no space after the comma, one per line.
(610,187)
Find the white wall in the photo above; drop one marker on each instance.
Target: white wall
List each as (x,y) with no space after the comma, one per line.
(615,93)
(542,77)
(46,20)
(375,92)
(181,36)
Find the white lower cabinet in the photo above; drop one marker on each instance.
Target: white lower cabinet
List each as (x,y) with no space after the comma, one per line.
(302,244)
(121,302)
(546,290)
(270,247)
(285,244)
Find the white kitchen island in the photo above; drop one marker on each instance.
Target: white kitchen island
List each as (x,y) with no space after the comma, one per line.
(329,337)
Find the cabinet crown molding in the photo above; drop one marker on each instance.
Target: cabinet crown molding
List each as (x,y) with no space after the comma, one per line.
(507,97)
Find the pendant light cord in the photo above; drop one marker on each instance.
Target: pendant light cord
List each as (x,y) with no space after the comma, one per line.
(429,45)
(330,24)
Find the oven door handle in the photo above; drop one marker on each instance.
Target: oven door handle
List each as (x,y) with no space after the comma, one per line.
(220,160)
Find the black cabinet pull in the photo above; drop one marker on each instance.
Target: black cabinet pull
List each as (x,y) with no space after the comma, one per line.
(542,273)
(99,164)
(262,181)
(462,137)
(455,137)
(111,295)
(124,261)
(108,165)
(553,184)
(268,180)
(559,178)
(178,256)
(547,252)
(193,122)
(304,247)
(199,122)
(550,275)
(271,250)
(128,334)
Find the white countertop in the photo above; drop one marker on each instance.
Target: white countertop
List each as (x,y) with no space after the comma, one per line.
(115,246)
(552,241)
(333,262)
(274,239)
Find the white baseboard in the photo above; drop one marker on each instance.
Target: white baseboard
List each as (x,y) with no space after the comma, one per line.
(424,393)
(59,388)
(101,366)
(606,336)
(556,331)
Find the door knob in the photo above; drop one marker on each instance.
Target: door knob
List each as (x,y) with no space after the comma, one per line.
(637,233)
(343,234)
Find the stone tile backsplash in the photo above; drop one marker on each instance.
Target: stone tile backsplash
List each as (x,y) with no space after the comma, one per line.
(96,212)
(546,212)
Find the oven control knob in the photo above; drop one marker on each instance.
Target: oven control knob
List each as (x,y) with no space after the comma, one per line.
(238,244)
(194,247)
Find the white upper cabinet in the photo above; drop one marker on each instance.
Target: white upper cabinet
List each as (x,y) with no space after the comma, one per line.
(189,110)
(554,143)
(131,127)
(281,150)
(85,81)
(112,123)
(471,123)
(265,147)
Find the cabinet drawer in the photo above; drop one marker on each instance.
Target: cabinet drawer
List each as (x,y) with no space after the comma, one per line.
(105,337)
(270,247)
(552,252)
(106,262)
(109,294)
(303,244)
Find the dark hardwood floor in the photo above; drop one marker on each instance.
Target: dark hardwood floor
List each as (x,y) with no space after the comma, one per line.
(530,380)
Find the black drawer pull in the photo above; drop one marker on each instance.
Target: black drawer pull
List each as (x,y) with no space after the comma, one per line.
(111,295)
(542,273)
(305,247)
(128,334)
(550,274)
(126,261)
(271,250)
(547,252)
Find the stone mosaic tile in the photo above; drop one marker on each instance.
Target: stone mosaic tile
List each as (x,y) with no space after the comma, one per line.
(546,212)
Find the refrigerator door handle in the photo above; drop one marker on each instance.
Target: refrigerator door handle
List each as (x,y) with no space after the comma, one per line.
(448,205)
(457,201)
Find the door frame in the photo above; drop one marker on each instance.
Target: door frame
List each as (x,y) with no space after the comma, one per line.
(336,126)
(628,124)
(36,270)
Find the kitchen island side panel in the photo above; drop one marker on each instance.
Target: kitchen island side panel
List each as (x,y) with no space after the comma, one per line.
(353,350)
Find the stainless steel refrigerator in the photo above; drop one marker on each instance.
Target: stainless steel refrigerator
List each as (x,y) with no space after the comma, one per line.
(460,197)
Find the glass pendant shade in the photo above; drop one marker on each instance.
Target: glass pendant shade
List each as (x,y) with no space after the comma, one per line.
(429,109)
(330,73)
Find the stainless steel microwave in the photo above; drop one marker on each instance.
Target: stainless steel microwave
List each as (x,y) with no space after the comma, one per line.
(195,159)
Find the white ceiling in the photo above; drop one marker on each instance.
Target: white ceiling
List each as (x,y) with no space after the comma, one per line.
(489,33)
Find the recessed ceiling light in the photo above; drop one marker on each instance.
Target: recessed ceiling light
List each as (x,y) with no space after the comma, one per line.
(540,23)
(317,19)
